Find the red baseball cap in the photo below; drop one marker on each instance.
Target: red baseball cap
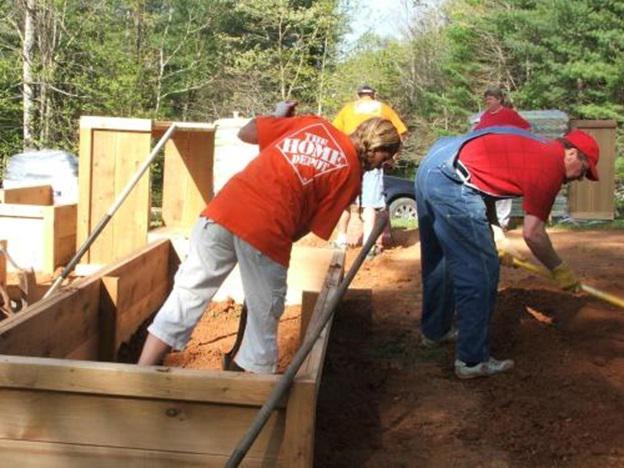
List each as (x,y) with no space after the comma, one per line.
(587,145)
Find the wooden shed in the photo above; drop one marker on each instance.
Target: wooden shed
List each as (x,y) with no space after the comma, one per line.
(595,200)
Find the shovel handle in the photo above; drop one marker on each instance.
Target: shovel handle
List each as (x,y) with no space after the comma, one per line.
(597,293)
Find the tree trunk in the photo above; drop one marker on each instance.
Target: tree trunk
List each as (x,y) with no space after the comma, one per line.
(28,89)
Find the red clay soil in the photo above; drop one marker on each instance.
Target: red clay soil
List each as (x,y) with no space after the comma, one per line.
(385,401)
(215,334)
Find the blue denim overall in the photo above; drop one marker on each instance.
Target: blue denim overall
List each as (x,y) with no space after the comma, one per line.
(460,266)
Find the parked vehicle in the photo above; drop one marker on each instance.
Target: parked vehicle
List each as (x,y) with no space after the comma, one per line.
(400,197)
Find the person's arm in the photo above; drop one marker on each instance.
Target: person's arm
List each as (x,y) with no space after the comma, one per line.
(249,133)
(537,239)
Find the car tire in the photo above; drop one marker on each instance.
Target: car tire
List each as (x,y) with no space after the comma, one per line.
(403,208)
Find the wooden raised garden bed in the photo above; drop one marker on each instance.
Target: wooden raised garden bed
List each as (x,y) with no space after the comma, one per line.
(63,405)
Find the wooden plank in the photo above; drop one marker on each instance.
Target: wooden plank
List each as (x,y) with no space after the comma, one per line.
(53,327)
(161,126)
(47,260)
(188,179)
(133,316)
(312,366)
(181,426)
(65,223)
(87,350)
(33,195)
(129,380)
(83,218)
(3,263)
(56,326)
(308,302)
(115,155)
(109,298)
(131,222)
(115,123)
(298,446)
(102,193)
(26,454)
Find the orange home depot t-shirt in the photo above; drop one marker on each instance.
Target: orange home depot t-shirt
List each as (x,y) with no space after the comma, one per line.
(306,174)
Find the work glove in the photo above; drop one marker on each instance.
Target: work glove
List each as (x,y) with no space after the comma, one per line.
(565,278)
(285,109)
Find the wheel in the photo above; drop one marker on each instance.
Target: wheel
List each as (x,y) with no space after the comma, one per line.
(403,208)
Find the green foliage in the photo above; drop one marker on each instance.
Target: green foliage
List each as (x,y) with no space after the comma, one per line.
(198,60)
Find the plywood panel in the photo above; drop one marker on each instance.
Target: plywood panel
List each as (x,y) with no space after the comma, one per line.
(33,195)
(188,179)
(133,423)
(109,157)
(595,200)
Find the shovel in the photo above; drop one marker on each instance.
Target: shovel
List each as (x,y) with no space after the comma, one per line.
(597,293)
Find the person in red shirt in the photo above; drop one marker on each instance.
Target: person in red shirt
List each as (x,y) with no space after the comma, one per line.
(497,113)
(306,174)
(460,264)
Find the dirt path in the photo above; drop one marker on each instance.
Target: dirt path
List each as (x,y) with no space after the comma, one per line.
(384,401)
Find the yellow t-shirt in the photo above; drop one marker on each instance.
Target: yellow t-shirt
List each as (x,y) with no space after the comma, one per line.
(356,112)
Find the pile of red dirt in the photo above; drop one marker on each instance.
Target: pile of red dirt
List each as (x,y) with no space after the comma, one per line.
(215,334)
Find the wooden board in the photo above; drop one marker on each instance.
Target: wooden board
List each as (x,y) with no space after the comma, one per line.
(187,179)
(33,195)
(39,237)
(111,152)
(76,418)
(595,200)
(26,454)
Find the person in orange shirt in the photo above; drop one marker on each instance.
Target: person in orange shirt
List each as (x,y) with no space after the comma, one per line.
(372,199)
(306,174)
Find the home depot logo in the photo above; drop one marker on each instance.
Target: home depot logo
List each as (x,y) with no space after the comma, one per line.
(312,151)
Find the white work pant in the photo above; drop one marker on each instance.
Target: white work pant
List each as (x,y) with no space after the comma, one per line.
(213,253)
(503,212)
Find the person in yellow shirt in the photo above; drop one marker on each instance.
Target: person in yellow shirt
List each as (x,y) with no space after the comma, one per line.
(372,198)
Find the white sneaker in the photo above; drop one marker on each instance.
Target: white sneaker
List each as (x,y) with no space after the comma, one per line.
(449,337)
(483,369)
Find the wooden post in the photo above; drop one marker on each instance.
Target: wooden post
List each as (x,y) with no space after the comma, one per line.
(3,263)
(298,448)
